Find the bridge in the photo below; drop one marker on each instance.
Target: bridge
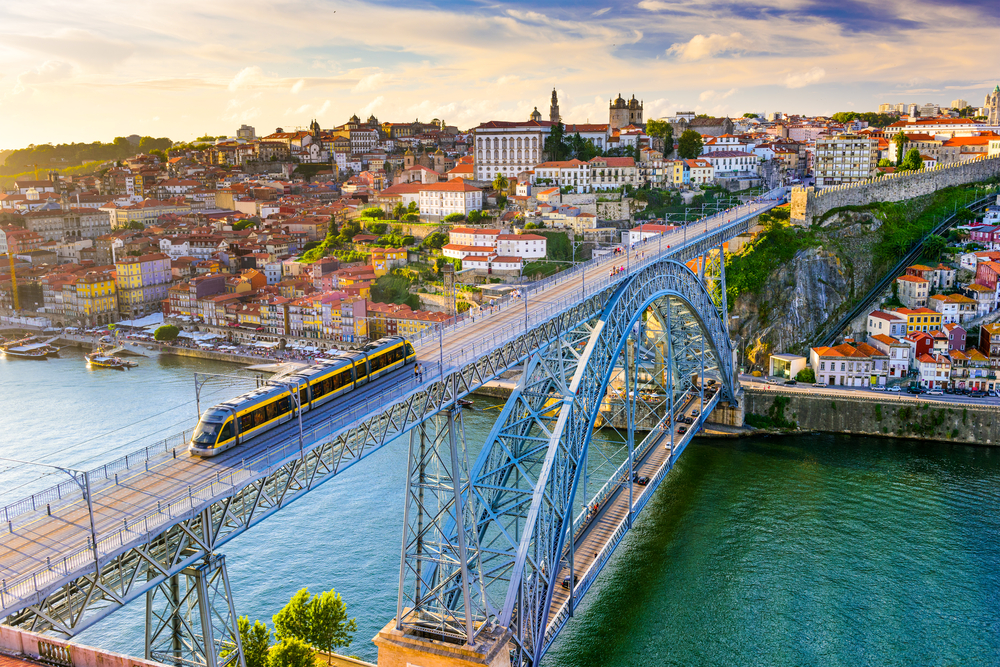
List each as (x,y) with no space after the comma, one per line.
(498,550)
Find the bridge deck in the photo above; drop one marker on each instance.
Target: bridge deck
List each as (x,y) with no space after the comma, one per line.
(36,538)
(601,533)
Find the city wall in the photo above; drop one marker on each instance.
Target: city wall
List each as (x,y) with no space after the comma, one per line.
(883,415)
(809,204)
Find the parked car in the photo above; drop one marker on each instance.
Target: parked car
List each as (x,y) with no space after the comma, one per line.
(977,394)
(791,382)
(894,389)
(935,392)
(878,387)
(819,384)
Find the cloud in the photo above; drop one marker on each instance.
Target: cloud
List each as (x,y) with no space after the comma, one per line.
(372,82)
(654,5)
(700,47)
(83,47)
(803,79)
(254,78)
(509,78)
(247,78)
(601,12)
(48,72)
(298,86)
(370,108)
(712,95)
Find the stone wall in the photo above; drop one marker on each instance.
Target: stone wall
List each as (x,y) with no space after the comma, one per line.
(617,210)
(53,651)
(881,414)
(808,204)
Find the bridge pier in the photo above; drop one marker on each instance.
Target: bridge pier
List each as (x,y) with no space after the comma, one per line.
(190,618)
(405,648)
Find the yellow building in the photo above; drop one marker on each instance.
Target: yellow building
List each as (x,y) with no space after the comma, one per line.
(385,259)
(97,298)
(920,319)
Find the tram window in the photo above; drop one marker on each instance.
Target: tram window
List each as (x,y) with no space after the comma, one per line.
(227,432)
(284,404)
(303,396)
(271,411)
(246,422)
(258,417)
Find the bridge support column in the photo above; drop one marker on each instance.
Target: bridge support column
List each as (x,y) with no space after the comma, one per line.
(190,618)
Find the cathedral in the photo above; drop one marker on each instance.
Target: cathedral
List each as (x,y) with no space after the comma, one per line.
(993,107)
(622,113)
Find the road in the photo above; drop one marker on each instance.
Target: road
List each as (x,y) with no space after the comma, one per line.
(863,392)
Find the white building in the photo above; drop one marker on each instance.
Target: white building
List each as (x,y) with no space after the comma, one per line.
(508,148)
(897,352)
(525,246)
(730,163)
(611,173)
(645,231)
(845,158)
(456,196)
(486,238)
(565,173)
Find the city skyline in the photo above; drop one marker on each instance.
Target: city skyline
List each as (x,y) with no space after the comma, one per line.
(138,68)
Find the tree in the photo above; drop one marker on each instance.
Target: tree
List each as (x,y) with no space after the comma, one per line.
(807,374)
(331,628)
(900,141)
(885,162)
(750,115)
(167,332)
(663,130)
(452,218)
(555,145)
(934,245)
(474,217)
(500,183)
(398,211)
(912,161)
(293,619)
(690,144)
(256,640)
(291,652)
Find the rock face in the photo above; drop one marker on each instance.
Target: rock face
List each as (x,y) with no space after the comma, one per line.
(802,296)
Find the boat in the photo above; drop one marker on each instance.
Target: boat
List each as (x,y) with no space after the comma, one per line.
(30,351)
(464,403)
(100,359)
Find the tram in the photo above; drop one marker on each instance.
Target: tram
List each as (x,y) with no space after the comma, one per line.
(239,419)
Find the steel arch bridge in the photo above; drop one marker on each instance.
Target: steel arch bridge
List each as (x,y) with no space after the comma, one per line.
(486,547)
(495,546)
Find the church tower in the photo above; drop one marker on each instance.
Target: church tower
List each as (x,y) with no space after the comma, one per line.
(554,108)
(993,107)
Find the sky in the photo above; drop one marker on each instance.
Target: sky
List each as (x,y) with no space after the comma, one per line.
(88,71)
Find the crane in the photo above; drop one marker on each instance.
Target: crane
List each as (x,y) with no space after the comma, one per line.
(13,282)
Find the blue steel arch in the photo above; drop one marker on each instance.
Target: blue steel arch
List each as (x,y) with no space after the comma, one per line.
(543,433)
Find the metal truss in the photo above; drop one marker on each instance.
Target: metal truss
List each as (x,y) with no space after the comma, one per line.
(93,571)
(190,619)
(522,487)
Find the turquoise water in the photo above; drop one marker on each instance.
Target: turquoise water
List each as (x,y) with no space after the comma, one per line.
(813,550)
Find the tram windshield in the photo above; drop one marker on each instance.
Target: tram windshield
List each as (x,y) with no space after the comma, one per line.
(206,433)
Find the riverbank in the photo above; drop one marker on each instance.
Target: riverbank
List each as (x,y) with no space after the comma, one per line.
(778,411)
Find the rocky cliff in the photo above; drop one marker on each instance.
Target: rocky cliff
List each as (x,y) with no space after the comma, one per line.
(799,297)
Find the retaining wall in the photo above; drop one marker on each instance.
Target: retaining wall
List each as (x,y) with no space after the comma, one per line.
(809,204)
(42,648)
(881,414)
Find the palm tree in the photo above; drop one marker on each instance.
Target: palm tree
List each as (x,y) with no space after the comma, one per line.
(500,183)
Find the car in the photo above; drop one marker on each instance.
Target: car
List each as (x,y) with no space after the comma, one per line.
(790,383)
(878,387)
(641,480)
(949,390)
(935,392)
(565,581)
(894,389)
(682,429)
(819,384)
(915,390)
(977,394)
(694,413)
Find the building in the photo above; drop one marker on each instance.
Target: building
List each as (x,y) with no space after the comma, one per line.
(611,173)
(142,283)
(525,246)
(954,308)
(64,223)
(96,301)
(912,291)
(843,366)
(897,353)
(845,158)
(992,107)
(508,148)
(484,238)
(622,113)
(729,163)
(881,323)
(918,319)
(699,170)
(940,277)
(438,200)
(565,174)
(935,370)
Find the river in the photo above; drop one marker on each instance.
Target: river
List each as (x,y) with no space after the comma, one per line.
(800,550)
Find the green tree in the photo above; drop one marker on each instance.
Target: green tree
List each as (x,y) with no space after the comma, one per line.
(500,183)
(243,224)
(750,115)
(555,145)
(452,218)
(291,652)
(412,207)
(167,332)
(912,161)
(885,162)
(293,619)
(661,129)
(256,640)
(331,628)
(934,245)
(373,212)
(474,217)
(398,211)
(900,141)
(690,144)
(807,374)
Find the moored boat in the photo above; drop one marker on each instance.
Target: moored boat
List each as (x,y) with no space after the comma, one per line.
(99,359)
(33,351)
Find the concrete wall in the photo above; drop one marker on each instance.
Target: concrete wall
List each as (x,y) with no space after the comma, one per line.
(885,414)
(808,204)
(58,651)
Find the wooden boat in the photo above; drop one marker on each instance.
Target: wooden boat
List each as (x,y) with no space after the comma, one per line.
(99,359)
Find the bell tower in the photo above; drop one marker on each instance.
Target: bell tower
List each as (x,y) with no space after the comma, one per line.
(554,107)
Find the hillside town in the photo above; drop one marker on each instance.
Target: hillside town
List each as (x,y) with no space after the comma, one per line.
(342,234)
